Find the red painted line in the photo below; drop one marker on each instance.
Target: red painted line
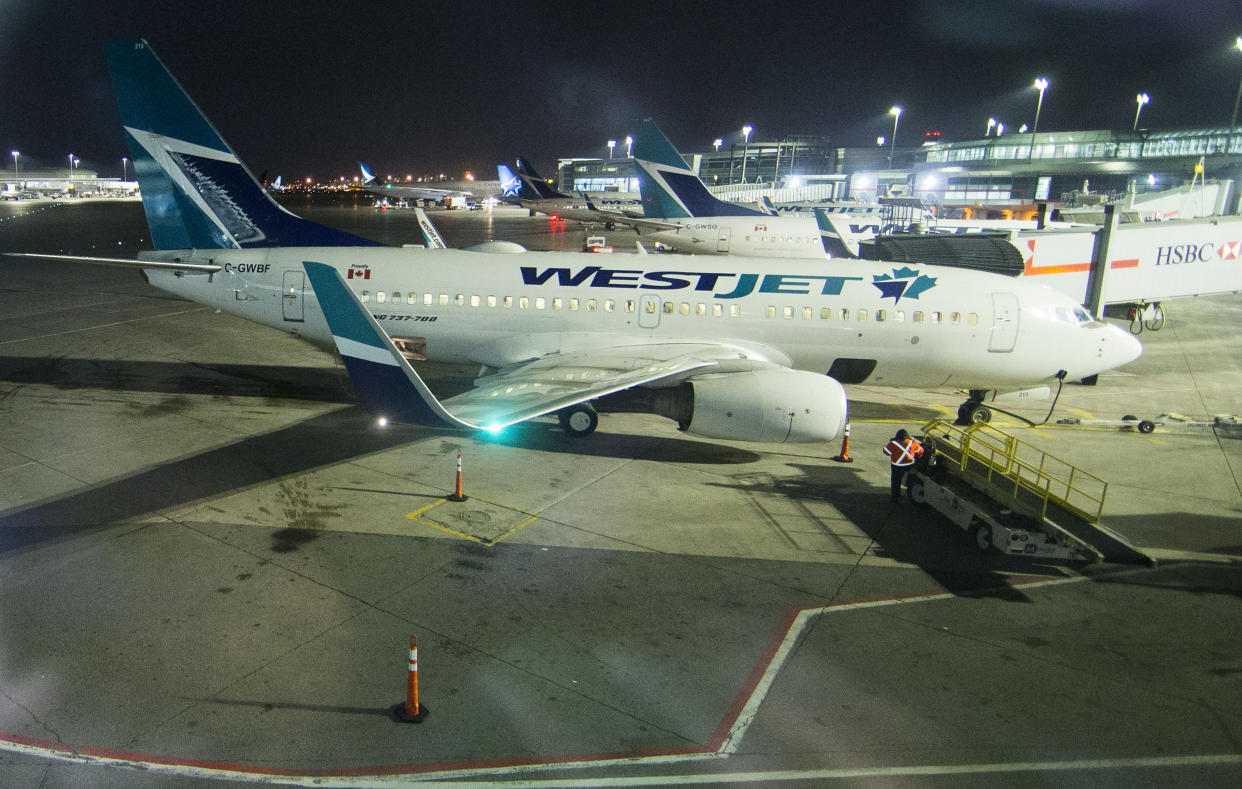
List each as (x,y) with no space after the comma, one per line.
(713,745)
(1131,263)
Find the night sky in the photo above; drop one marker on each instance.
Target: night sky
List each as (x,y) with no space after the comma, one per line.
(307,88)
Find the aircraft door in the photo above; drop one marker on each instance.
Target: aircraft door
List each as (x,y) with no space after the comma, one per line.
(1004,323)
(722,240)
(649,312)
(291,296)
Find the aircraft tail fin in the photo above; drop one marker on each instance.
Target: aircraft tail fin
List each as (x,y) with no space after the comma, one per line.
(195,191)
(837,243)
(544,189)
(367,175)
(669,189)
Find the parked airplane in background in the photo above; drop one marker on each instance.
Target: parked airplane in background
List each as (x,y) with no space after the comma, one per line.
(680,212)
(737,348)
(452,194)
(525,188)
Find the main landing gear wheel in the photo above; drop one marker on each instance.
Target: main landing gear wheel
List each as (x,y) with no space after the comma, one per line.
(973,411)
(578,420)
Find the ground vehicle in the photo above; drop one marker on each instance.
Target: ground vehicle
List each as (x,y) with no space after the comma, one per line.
(1012,497)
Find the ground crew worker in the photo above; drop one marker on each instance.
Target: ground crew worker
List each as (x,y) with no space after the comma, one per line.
(902,452)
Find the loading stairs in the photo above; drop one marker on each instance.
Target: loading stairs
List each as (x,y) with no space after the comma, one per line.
(1023,478)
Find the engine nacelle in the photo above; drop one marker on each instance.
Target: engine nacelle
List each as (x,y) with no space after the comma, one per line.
(770,406)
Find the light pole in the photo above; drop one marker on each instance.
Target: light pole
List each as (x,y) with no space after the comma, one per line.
(1234,120)
(991,123)
(611,144)
(746,130)
(896,113)
(629,146)
(70,167)
(124,162)
(1041,85)
(17,173)
(1142,99)
(718,142)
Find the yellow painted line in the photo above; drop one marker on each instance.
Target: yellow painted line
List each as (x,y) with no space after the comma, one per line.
(506,534)
(1157,442)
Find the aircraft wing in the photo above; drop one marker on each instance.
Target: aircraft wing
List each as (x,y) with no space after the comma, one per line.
(389,387)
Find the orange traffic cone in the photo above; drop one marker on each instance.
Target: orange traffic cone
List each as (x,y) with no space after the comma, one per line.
(844,457)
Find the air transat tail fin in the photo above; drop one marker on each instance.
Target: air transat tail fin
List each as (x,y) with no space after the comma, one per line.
(195,191)
(669,189)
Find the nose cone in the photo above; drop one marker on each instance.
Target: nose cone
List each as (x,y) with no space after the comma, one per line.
(1117,348)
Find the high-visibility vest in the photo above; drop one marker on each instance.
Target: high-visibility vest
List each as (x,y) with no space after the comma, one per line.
(903,454)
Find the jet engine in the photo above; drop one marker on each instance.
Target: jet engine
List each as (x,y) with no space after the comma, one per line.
(770,406)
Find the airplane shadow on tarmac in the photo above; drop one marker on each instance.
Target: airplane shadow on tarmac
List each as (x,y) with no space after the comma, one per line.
(324,440)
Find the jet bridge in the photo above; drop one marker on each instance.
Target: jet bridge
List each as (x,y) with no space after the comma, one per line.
(1014,497)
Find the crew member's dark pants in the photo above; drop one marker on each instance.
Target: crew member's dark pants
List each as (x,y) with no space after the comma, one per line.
(899,473)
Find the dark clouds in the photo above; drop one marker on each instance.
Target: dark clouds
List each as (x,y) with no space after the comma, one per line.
(308,87)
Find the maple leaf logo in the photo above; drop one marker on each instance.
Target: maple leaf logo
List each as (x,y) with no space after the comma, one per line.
(904,283)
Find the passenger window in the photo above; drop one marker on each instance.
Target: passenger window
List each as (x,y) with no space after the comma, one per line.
(523,302)
(685,308)
(717,310)
(491,301)
(379,297)
(411,298)
(540,302)
(590,305)
(845,313)
(899,316)
(957,318)
(918,316)
(770,311)
(881,316)
(935,317)
(396,296)
(630,305)
(972,318)
(862,315)
(807,313)
(426,299)
(609,305)
(668,308)
(788,312)
(508,302)
(573,304)
(474,300)
(364,296)
(459,300)
(700,309)
(825,314)
(443,299)
(735,310)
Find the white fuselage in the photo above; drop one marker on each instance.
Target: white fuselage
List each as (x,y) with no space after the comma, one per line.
(790,236)
(959,328)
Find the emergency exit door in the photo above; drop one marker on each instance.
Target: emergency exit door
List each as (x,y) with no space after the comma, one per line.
(291,296)
(1004,322)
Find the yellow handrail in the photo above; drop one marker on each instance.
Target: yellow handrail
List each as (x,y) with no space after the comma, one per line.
(1015,470)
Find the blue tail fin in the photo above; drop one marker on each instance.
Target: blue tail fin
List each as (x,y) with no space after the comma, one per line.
(510,184)
(528,175)
(195,191)
(367,175)
(668,188)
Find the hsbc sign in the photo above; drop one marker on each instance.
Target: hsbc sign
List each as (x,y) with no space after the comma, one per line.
(1198,253)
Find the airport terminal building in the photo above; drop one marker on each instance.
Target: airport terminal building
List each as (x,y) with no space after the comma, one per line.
(994,177)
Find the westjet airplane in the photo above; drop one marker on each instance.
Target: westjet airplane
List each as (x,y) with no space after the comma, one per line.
(680,212)
(738,348)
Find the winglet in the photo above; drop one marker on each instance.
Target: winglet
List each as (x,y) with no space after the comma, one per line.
(384,381)
(430,233)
